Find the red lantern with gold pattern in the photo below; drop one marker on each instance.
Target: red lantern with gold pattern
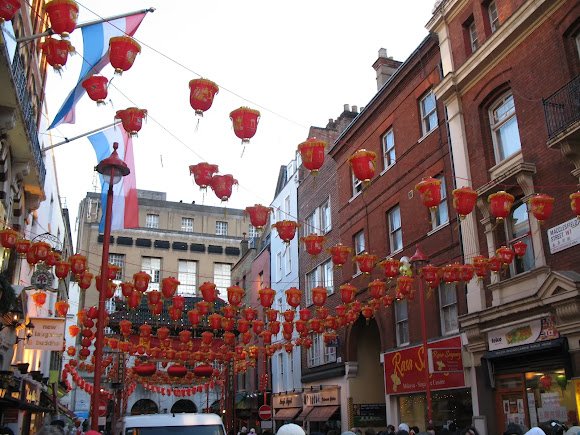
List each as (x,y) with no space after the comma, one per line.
(575,203)
(73,330)
(322,313)
(52,258)
(194,317)
(201,94)
(163,333)
(203,173)
(505,254)
(122,52)
(319,295)
(41,250)
(8,238)
(390,267)
(377,289)
(464,200)
(31,255)
(301,326)
(178,302)
(520,248)
(286,230)
(316,325)
(429,272)
(145,330)
(266,337)
(404,284)
(206,337)
(430,190)
(266,297)
(293,297)
(63,16)
(312,154)
(229,312)
(243,325)
(61,308)
(339,254)
(366,262)
(274,327)
(289,315)
(85,280)
(466,272)
(22,246)
(305,314)
(153,297)
(169,286)
(500,204)
(341,310)
(134,299)
(8,9)
(494,264)
(329,337)
(347,293)
(228,324)
(363,166)
(131,119)
(450,273)
(541,206)
(78,263)
(209,291)
(203,307)
(235,295)
(245,123)
(367,312)
(141,281)
(126,289)
(258,215)
(125,327)
(61,269)
(229,338)
(215,321)
(480,264)
(249,313)
(222,186)
(97,88)
(313,243)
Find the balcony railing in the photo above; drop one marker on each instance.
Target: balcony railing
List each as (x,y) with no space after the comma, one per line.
(562,108)
(29,116)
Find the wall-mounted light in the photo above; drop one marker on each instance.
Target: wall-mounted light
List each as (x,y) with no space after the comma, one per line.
(29,332)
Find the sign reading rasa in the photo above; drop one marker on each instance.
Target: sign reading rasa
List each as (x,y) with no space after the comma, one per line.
(48,334)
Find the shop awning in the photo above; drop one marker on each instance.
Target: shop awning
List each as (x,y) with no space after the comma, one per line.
(287,413)
(322,413)
(305,411)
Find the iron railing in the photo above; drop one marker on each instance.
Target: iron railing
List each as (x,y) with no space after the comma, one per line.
(29,115)
(562,108)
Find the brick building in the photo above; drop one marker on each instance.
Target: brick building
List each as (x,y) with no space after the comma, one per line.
(510,90)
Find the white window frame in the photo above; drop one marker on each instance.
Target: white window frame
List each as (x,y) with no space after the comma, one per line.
(327,275)
(320,220)
(152,220)
(221,228)
(496,125)
(388,147)
(357,185)
(449,308)
(287,207)
(520,231)
(311,280)
(319,354)
(187,224)
(222,278)
(287,262)
(279,266)
(152,266)
(118,260)
(187,277)
(577,39)
(402,322)
(252,231)
(282,376)
(310,223)
(393,231)
(473,40)
(358,240)
(426,126)
(325,217)
(440,216)
(493,16)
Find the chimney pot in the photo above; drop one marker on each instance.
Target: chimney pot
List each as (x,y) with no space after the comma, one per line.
(383,52)
(355,109)
(346,108)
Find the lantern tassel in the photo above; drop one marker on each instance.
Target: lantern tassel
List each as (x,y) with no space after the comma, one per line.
(196,125)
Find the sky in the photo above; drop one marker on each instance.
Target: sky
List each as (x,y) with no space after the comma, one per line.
(297,62)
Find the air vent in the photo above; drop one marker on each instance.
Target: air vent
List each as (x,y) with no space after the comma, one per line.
(197,247)
(214,249)
(102,236)
(179,246)
(232,250)
(126,241)
(161,244)
(145,243)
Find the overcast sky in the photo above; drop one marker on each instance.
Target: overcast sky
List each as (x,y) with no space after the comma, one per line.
(297,62)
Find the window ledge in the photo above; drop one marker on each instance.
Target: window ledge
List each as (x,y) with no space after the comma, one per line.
(506,164)
(357,274)
(398,251)
(422,138)
(386,169)
(452,332)
(354,196)
(440,227)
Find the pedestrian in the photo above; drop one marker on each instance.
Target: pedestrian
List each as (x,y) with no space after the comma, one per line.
(290,429)
(243,431)
(414,430)
(535,431)
(431,429)
(252,431)
(370,431)
(403,427)
(49,430)
(390,429)
(469,431)
(514,429)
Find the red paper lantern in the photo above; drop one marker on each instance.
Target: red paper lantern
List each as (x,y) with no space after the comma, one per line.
(122,52)
(312,154)
(52,258)
(63,16)
(541,206)
(362,164)
(366,262)
(347,293)
(301,326)
(245,123)
(319,295)
(203,371)
(134,300)
(177,371)
(8,238)
(73,330)
(194,317)
(201,95)
(430,190)
(222,186)
(125,327)
(163,333)
(31,255)
(145,330)
(141,281)
(203,307)
(229,312)
(293,297)
(464,200)
(209,291)
(169,287)
(97,88)
(341,310)
(249,313)
(316,325)
(126,289)
(71,351)
(575,203)
(494,264)
(274,327)
(377,289)
(235,295)
(22,246)
(131,119)
(39,298)
(257,326)
(367,312)
(404,284)
(466,272)
(313,243)
(430,272)
(41,250)
(480,264)
(450,273)
(500,204)
(243,325)
(286,230)
(61,308)
(505,254)
(174,312)
(229,338)
(520,248)
(8,9)
(145,369)
(266,297)
(305,314)
(258,215)
(215,321)
(78,263)
(322,313)
(339,254)
(203,173)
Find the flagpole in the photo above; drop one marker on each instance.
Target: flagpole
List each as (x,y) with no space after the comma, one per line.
(67,140)
(49,31)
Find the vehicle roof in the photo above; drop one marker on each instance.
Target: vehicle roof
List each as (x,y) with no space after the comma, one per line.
(183,419)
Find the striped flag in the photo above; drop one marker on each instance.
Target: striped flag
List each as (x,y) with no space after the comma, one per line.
(95,58)
(125,204)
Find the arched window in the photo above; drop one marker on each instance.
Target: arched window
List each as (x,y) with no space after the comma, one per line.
(518,228)
(144,406)
(504,128)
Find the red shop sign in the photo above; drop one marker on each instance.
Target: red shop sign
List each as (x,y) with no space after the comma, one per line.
(445,360)
(405,369)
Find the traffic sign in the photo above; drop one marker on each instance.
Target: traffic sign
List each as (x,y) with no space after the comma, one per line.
(102,409)
(265,412)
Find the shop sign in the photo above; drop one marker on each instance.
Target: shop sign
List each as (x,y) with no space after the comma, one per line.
(532,331)
(324,397)
(564,236)
(445,360)
(405,369)
(370,414)
(292,400)
(48,334)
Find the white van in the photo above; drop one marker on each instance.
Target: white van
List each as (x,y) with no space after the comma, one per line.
(173,424)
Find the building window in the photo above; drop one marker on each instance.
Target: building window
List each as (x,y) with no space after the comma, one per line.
(312,279)
(310,224)
(328,276)
(278,266)
(282,386)
(221,228)
(187,224)
(222,278)
(395,230)
(287,207)
(325,220)
(152,221)
(252,231)
(187,276)
(152,266)
(428,113)
(118,260)
(448,304)
(518,228)
(319,221)
(356,185)
(389,149)
(321,276)
(359,246)
(287,262)
(474,43)
(402,322)
(319,353)
(504,128)
(441,215)
(493,16)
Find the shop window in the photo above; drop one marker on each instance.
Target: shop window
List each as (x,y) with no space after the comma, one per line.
(518,228)
(152,265)
(221,228)
(428,107)
(448,406)
(222,277)
(152,220)
(395,230)
(504,128)
(402,322)
(118,260)
(187,224)
(187,276)
(448,304)
(359,246)
(440,216)
(389,157)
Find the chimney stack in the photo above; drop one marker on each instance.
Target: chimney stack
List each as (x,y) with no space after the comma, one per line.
(385,67)
(244,244)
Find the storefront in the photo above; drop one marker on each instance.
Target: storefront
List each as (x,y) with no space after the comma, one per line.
(529,367)
(405,384)
(286,406)
(321,410)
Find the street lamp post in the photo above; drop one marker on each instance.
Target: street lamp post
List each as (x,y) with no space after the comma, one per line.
(418,260)
(114,168)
